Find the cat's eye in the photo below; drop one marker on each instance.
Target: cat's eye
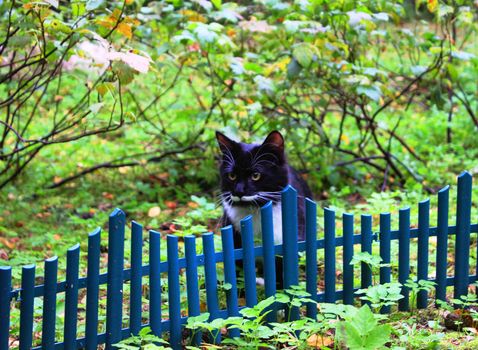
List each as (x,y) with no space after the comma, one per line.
(255,176)
(232,176)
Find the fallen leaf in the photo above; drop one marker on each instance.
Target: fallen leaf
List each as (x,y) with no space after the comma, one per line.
(171,204)
(3,254)
(193,205)
(7,243)
(123,169)
(154,211)
(318,342)
(107,195)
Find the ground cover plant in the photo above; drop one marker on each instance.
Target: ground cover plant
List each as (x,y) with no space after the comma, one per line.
(114,104)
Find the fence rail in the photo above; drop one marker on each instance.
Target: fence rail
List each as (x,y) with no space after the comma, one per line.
(117,275)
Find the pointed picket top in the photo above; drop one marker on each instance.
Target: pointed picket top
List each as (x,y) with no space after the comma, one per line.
(288,190)
(444,189)
(329,210)
(464,175)
(28,267)
(154,233)
(309,201)
(135,223)
(423,202)
(246,221)
(117,212)
(223,229)
(52,259)
(266,206)
(73,248)
(95,232)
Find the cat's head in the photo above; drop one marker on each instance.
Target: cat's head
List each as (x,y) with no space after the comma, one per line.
(252,174)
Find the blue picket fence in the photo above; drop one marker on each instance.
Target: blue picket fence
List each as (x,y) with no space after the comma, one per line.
(117,275)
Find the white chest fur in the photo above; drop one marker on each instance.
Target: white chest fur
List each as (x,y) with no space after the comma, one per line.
(236,214)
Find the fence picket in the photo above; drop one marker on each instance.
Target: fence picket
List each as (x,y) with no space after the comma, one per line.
(366,246)
(404,255)
(462,238)
(348,252)
(135,309)
(385,249)
(311,255)
(269,261)
(92,290)
(289,234)
(192,282)
(173,293)
(211,281)
(442,243)
(5,289)
(155,282)
(71,296)
(329,255)
(26,307)
(249,261)
(422,247)
(49,303)
(114,293)
(230,275)
(290,243)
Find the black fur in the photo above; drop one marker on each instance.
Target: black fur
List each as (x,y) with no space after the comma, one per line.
(245,161)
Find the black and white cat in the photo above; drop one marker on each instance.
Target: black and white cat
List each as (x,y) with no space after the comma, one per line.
(251,176)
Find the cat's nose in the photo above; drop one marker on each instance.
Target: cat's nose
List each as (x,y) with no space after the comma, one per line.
(240,190)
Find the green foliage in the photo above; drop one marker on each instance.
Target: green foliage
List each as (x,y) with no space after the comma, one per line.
(144,340)
(380,295)
(415,288)
(360,330)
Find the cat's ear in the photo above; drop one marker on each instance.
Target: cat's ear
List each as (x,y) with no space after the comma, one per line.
(225,143)
(275,138)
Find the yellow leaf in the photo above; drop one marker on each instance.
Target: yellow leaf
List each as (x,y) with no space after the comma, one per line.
(123,169)
(125,29)
(345,138)
(154,211)
(318,342)
(432,5)
(193,16)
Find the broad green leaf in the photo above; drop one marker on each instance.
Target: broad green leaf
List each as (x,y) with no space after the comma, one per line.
(378,336)
(78,8)
(304,54)
(293,69)
(364,321)
(93,4)
(217,4)
(372,92)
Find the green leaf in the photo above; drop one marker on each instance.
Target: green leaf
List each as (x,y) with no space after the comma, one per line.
(304,54)
(293,68)
(378,336)
(373,92)
(217,4)
(364,321)
(93,4)
(78,9)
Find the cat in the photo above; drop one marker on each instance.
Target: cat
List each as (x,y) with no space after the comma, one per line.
(251,176)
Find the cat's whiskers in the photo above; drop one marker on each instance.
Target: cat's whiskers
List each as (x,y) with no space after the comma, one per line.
(224,197)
